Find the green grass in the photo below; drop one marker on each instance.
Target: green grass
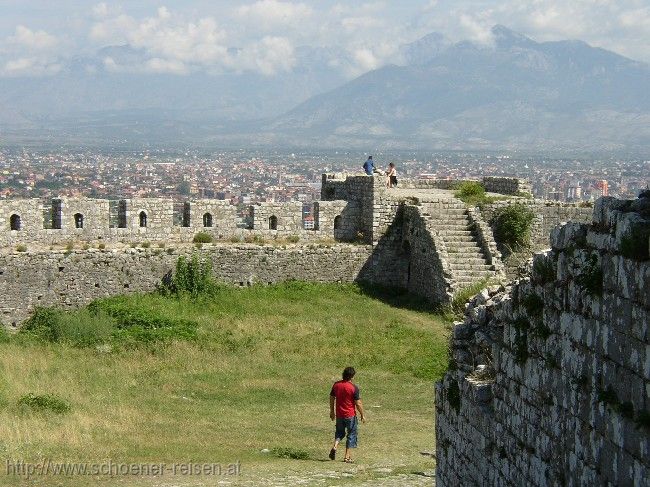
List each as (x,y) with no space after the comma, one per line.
(254,374)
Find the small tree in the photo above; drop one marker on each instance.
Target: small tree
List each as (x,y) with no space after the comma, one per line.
(512,225)
(191,276)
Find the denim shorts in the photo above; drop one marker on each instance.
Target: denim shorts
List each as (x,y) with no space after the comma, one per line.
(349,426)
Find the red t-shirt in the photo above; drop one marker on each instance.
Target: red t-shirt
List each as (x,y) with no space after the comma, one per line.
(345,393)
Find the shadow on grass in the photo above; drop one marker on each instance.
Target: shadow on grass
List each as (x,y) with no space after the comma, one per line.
(398,298)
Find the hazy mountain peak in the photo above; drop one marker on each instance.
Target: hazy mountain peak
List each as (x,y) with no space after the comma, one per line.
(506,38)
(424,49)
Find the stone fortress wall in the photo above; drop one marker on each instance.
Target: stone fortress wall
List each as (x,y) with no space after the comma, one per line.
(431,245)
(549,378)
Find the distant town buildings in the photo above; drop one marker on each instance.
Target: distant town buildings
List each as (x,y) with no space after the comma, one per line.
(244,177)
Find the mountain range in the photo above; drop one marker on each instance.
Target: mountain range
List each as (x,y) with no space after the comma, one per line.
(514,93)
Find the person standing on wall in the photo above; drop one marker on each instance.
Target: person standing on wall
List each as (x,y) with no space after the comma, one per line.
(369,166)
(345,396)
(391,176)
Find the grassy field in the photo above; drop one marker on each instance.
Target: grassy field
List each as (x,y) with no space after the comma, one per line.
(220,378)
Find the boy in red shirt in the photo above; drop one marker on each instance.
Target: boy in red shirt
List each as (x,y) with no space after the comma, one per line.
(346,396)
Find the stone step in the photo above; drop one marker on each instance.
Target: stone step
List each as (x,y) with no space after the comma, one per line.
(459,244)
(455,260)
(471,267)
(459,238)
(465,278)
(455,235)
(466,257)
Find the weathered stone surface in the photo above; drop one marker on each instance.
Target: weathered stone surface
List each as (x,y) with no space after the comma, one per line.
(570,391)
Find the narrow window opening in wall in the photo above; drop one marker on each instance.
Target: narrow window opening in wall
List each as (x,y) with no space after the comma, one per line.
(143,219)
(78,220)
(337,222)
(14,222)
(207,220)
(61,269)
(241,283)
(126,286)
(273,222)
(96,284)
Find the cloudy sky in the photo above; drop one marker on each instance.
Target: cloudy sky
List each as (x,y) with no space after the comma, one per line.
(37,37)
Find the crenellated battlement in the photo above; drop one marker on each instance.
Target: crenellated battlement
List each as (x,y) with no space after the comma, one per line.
(418,237)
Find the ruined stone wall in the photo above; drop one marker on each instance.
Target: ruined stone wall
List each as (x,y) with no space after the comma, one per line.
(72,279)
(505,185)
(549,378)
(425,273)
(492,184)
(548,214)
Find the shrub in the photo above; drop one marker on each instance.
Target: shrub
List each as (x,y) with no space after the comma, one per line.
(69,246)
(21,248)
(293,238)
(592,277)
(534,304)
(634,245)
(82,328)
(457,306)
(46,402)
(193,276)
(101,246)
(470,192)
(4,334)
(145,245)
(544,270)
(512,225)
(203,237)
(292,453)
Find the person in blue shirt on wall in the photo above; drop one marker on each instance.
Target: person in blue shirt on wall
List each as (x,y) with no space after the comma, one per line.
(369,166)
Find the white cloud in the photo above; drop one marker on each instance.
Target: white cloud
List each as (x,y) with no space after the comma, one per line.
(270,14)
(29,66)
(33,40)
(268,56)
(29,53)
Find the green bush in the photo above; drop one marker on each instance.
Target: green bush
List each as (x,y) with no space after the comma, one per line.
(591,277)
(81,328)
(292,453)
(470,192)
(4,335)
(512,225)
(46,402)
(145,245)
(634,245)
(193,276)
(544,270)
(21,248)
(203,237)
(293,238)
(457,306)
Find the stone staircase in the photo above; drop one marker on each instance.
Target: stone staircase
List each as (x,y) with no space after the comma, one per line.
(458,244)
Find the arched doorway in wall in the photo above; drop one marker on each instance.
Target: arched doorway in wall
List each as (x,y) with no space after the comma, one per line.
(273,222)
(207,220)
(337,222)
(78,220)
(406,256)
(143,219)
(14,222)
